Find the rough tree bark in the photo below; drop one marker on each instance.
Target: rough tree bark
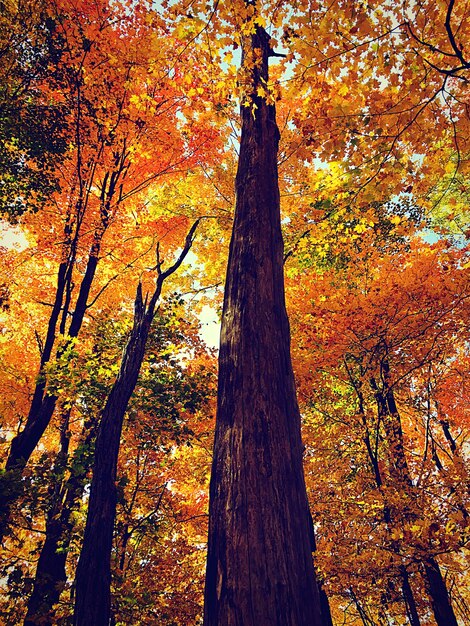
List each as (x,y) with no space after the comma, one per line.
(259,567)
(93,577)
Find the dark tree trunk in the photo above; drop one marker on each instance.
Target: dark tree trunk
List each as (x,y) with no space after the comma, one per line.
(325,610)
(408,595)
(387,407)
(259,567)
(441,606)
(409,599)
(50,578)
(43,405)
(366,620)
(446,430)
(24,442)
(93,578)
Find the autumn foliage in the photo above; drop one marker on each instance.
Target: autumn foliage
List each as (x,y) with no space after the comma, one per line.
(119,128)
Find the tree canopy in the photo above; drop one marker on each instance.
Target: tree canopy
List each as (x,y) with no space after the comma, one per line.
(121,139)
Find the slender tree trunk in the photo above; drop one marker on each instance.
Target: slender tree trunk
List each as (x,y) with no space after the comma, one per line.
(372,452)
(259,567)
(43,405)
(25,441)
(93,578)
(408,595)
(366,620)
(441,606)
(409,599)
(50,578)
(440,601)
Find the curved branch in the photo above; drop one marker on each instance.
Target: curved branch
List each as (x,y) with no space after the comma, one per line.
(450,34)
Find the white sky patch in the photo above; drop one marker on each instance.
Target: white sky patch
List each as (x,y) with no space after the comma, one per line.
(208,317)
(12,237)
(320,165)
(210,326)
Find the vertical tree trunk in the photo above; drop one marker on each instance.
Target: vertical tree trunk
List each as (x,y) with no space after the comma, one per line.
(388,410)
(20,450)
(50,578)
(93,578)
(259,567)
(325,610)
(409,599)
(441,606)
(407,591)
(43,405)
(366,620)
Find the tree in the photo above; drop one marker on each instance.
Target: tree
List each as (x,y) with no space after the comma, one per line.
(93,579)
(139,104)
(373,344)
(160,420)
(34,129)
(259,564)
(125,137)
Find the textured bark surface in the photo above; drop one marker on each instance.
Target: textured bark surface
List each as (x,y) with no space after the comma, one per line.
(93,577)
(259,569)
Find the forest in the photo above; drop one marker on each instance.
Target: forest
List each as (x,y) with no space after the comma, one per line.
(298,171)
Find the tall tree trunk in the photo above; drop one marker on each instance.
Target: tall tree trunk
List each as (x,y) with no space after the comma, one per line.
(93,578)
(259,566)
(50,576)
(37,419)
(43,405)
(407,591)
